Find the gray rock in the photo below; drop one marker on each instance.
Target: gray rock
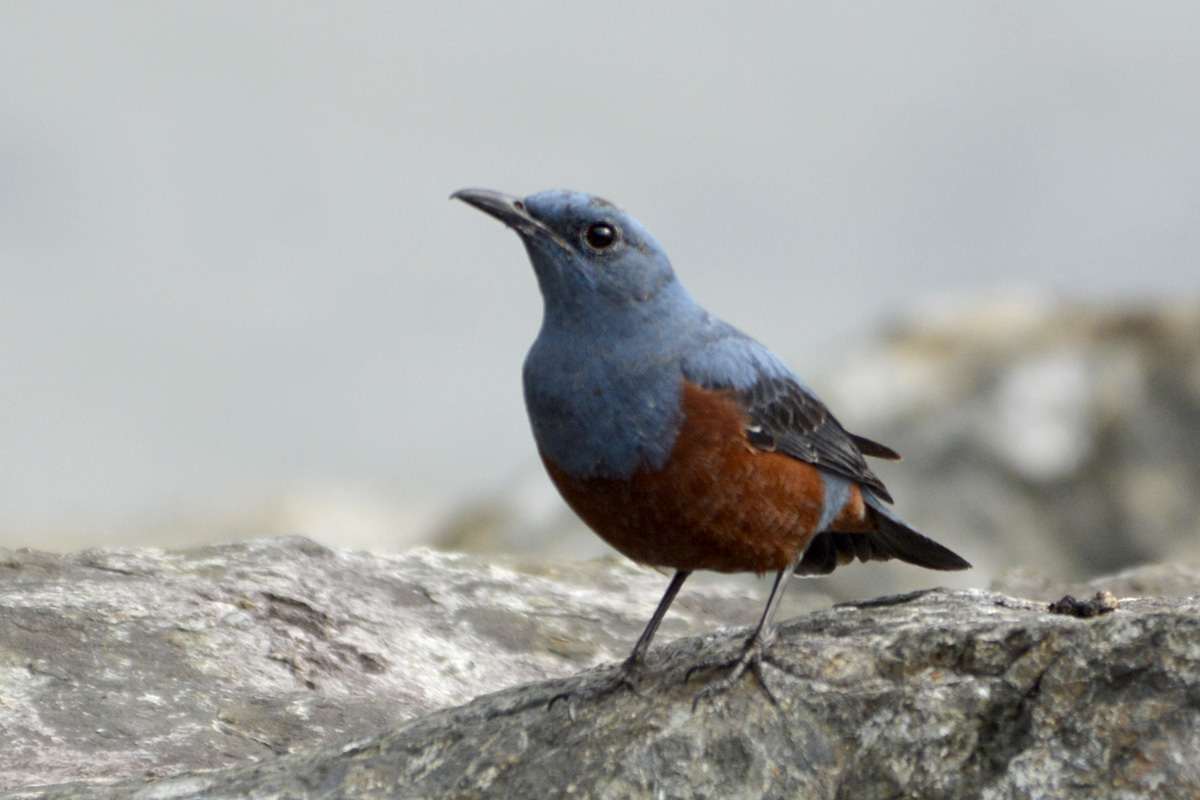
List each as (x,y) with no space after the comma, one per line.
(942,694)
(312,653)
(1061,435)
(1156,580)
(119,663)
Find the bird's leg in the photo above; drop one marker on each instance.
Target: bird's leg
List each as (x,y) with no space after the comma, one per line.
(631,666)
(756,645)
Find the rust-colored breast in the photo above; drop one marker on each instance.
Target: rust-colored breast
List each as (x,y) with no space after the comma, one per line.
(718,504)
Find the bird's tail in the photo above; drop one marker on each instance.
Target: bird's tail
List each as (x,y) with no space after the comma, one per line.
(891,538)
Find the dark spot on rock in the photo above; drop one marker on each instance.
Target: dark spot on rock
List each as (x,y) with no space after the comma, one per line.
(1102,603)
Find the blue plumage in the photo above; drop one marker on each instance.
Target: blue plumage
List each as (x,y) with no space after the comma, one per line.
(680,439)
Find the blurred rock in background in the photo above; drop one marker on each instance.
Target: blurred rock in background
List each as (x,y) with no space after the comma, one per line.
(1059,437)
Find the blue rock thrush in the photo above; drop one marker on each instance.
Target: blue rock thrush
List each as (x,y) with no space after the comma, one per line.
(680,440)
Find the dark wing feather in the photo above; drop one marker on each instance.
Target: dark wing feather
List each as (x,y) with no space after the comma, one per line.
(828,551)
(874,449)
(786,418)
(891,539)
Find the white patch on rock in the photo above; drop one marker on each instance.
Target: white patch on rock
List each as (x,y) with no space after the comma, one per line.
(1042,423)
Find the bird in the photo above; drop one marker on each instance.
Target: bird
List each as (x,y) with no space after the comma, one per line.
(680,440)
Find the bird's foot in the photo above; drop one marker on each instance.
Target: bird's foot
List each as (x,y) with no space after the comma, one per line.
(626,677)
(752,659)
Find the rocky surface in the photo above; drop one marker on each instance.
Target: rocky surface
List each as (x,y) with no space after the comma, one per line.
(1055,435)
(331,674)
(122,663)
(1169,581)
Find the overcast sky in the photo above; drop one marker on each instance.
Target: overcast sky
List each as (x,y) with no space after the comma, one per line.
(228,264)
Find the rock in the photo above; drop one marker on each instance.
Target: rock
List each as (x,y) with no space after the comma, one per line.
(334,660)
(122,663)
(1156,580)
(940,694)
(1058,435)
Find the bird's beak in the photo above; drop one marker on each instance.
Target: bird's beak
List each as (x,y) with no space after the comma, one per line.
(509,210)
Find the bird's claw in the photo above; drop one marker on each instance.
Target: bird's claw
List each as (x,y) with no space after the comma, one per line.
(626,677)
(752,658)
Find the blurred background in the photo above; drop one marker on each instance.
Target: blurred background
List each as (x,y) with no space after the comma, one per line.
(236,301)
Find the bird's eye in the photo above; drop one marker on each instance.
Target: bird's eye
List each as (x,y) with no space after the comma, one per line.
(600,235)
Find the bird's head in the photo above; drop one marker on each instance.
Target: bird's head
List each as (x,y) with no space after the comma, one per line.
(589,255)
